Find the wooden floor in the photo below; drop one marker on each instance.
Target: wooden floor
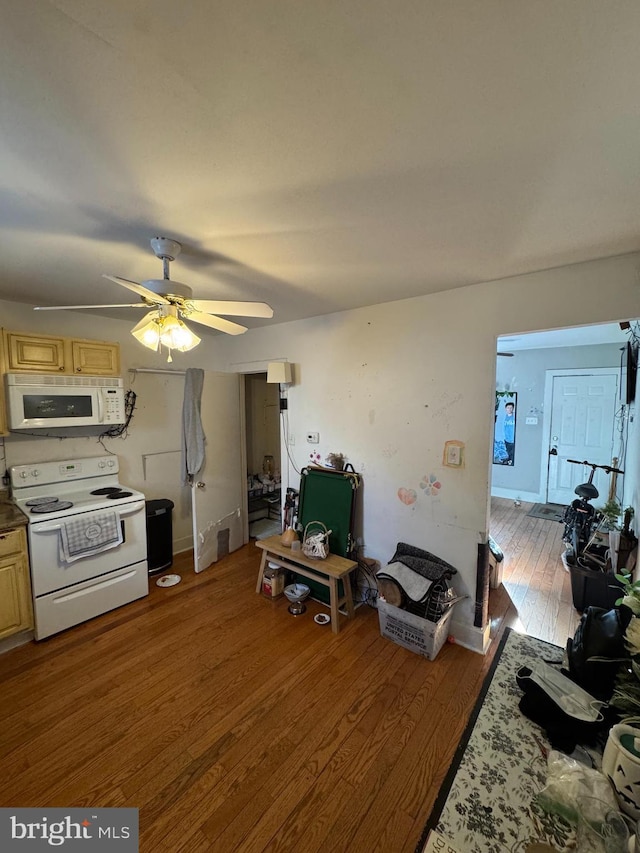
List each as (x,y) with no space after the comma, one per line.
(534,575)
(234,726)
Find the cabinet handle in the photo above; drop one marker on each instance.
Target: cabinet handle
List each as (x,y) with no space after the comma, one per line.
(61,367)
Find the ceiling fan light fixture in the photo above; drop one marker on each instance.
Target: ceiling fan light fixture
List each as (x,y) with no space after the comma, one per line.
(147,331)
(164,328)
(174,334)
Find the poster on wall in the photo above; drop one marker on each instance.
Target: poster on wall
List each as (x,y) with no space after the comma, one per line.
(504,436)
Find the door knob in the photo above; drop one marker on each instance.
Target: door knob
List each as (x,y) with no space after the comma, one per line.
(200,485)
(553,451)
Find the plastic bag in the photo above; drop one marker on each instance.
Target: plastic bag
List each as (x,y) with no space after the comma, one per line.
(569,781)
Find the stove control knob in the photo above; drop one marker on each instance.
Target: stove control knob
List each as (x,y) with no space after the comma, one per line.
(24,474)
(101,463)
(35,473)
(111,463)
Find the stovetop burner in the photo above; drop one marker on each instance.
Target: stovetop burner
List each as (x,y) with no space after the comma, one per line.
(119,494)
(52,506)
(40,501)
(106,490)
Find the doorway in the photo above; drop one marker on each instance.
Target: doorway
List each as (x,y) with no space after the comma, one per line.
(262,406)
(522,521)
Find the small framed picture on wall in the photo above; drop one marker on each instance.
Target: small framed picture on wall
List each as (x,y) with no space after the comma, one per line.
(504,436)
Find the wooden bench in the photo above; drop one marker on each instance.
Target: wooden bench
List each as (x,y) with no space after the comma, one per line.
(327,572)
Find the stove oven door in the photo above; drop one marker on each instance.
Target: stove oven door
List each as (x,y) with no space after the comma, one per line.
(66,593)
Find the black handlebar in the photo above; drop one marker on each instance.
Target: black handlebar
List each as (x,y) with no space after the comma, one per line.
(607,468)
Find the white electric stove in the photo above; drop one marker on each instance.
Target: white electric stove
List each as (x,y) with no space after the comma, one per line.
(87,539)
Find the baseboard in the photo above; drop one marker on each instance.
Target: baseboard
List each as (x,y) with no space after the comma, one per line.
(183,544)
(15,640)
(470,637)
(514,495)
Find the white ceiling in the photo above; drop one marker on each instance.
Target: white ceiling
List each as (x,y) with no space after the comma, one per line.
(316,155)
(576,336)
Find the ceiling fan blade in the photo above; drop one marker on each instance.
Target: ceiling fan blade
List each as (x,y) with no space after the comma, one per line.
(216,323)
(138,288)
(233,309)
(70,307)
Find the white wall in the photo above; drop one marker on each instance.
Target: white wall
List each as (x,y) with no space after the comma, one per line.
(389,384)
(155,429)
(386,385)
(525,374)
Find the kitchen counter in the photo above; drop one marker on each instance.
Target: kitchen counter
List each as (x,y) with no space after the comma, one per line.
(11,516)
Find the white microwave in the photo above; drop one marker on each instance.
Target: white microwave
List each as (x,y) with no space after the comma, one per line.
(36,401)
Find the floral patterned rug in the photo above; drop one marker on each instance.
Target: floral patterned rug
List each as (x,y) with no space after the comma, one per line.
(486,803)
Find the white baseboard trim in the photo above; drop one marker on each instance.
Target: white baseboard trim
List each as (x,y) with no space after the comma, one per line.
(470,637)
(184,544)
(514,495)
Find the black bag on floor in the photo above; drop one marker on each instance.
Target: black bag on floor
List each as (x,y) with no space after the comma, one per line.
(597,649)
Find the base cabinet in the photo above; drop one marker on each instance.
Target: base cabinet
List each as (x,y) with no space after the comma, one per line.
(16,612)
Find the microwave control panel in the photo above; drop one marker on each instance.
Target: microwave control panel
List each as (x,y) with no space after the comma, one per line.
(113,400)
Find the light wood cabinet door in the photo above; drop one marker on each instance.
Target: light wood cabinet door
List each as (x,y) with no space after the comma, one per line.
(4,429)
(41,353)
(96,358)
(16,613)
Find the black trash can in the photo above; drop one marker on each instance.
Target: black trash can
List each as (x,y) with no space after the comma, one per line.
(159,535)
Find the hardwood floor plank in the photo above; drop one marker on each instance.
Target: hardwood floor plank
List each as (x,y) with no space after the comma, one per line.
(234,726)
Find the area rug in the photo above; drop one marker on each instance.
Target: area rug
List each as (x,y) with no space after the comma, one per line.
(264,528)
(486,802)
(553,512)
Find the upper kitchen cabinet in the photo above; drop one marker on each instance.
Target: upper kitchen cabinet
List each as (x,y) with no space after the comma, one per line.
(50,354)
(97,358)
(42,354)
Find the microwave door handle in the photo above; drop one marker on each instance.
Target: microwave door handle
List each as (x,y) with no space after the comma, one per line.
(101,405)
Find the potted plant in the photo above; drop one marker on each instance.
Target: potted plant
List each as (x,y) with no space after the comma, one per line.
(611,512)
(337,461)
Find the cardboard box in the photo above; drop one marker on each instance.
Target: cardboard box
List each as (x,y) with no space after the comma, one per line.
(412,632)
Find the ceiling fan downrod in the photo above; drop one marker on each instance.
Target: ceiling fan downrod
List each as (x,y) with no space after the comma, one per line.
(166,250)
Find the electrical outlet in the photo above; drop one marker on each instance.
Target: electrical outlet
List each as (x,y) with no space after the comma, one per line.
(531,421)
(313,438)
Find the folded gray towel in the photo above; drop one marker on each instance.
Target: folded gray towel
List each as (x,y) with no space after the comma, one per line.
(414,585)
(89,533)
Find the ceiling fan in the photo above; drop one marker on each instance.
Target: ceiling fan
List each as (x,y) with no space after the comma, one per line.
(172,301)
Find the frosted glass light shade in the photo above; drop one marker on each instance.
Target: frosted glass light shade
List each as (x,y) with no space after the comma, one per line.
(279,371)
(166,329)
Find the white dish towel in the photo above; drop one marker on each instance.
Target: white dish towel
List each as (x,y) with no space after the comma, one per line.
(89,534)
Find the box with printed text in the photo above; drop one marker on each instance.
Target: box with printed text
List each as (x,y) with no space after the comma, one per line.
(414,633)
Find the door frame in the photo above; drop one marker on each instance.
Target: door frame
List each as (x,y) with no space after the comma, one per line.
(244,369)
(546,415)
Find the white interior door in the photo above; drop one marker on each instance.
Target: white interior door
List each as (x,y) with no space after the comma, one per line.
(582,427)
(219,490)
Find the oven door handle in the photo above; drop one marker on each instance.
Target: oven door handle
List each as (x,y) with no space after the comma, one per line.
(128,509)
